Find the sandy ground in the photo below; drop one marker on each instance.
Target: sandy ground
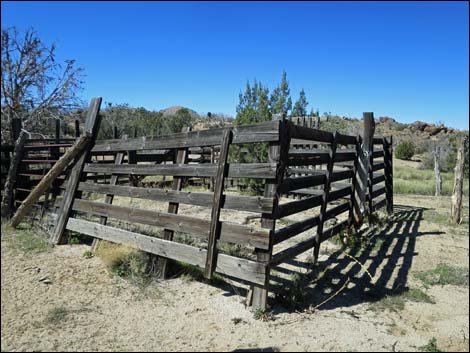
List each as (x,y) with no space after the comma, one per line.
(107,313)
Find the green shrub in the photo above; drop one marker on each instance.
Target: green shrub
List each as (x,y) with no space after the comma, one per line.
(431,346)
(405,150)
(444,274)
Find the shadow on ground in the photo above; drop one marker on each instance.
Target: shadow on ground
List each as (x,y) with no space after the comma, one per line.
(387,258)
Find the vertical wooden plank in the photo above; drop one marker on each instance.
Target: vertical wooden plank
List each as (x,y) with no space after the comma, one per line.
(16,126)
(55,155)
(162,263)
(77,128)
(457,193)
(369,183)
(277,153)
(12,177)
(57,130)
(212,162)
(326,192)
(354,181)
(214,230)
(363,169)
(92,125)
(388,173)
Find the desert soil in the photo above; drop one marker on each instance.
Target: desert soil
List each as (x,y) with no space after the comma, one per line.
(105,313)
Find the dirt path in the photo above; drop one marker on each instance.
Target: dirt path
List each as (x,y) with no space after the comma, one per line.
(60,300)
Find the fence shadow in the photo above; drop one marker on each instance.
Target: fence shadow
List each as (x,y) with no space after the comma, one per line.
(388,259)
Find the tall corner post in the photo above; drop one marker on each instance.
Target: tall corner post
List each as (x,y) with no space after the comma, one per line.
(92,125)
(278,154)
(388,160)
(360,208)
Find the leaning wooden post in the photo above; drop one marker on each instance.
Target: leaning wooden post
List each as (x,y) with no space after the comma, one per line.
(278,154)
(215,226)
(7,200)
(91,130)
(388,173)
(360,208)
(326,192)
(437,171)
(48,179)
(456,208)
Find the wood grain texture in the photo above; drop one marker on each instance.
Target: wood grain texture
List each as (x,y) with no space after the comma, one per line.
(244,269)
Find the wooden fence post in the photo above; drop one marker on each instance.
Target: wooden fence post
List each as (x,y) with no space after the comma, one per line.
(354,185)
(388,173)
(162,263)
(16,126)
(214,230)
(326,192)
(277,153)
(456,208)
(77,128)
(370,203)
(363,175)
(437,171)
(7,200)
(91,128)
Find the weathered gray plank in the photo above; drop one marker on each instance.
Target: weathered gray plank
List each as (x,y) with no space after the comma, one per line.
(234,202)
(244,170)
(243,269)
(230,232)
(263,132)
(214,232)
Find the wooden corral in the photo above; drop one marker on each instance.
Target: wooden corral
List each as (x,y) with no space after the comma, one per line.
(315,174)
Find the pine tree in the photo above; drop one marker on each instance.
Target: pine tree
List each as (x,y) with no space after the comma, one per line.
(300,107)
(253,107)
(280,98)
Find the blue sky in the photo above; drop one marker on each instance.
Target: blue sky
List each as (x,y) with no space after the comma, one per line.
(405,60)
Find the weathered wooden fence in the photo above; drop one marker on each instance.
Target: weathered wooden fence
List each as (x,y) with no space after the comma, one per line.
(335,176)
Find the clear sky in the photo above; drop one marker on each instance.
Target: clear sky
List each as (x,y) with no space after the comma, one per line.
(404,60)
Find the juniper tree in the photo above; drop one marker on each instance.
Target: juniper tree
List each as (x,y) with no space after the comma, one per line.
(300,107)
(280,100)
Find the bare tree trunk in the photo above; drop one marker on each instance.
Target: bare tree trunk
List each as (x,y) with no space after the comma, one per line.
(7,201)
(456,208)
(437,171)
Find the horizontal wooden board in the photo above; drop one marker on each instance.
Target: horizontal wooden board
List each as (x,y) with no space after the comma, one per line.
(292,230)
(289,208)
(243,269)
(378,178)
(263,132)
(230,232)
(234,202)
(304,133)
(340,193)
(378,166)
(244,170)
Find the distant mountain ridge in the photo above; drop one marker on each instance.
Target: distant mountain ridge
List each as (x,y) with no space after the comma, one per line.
(173,109)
